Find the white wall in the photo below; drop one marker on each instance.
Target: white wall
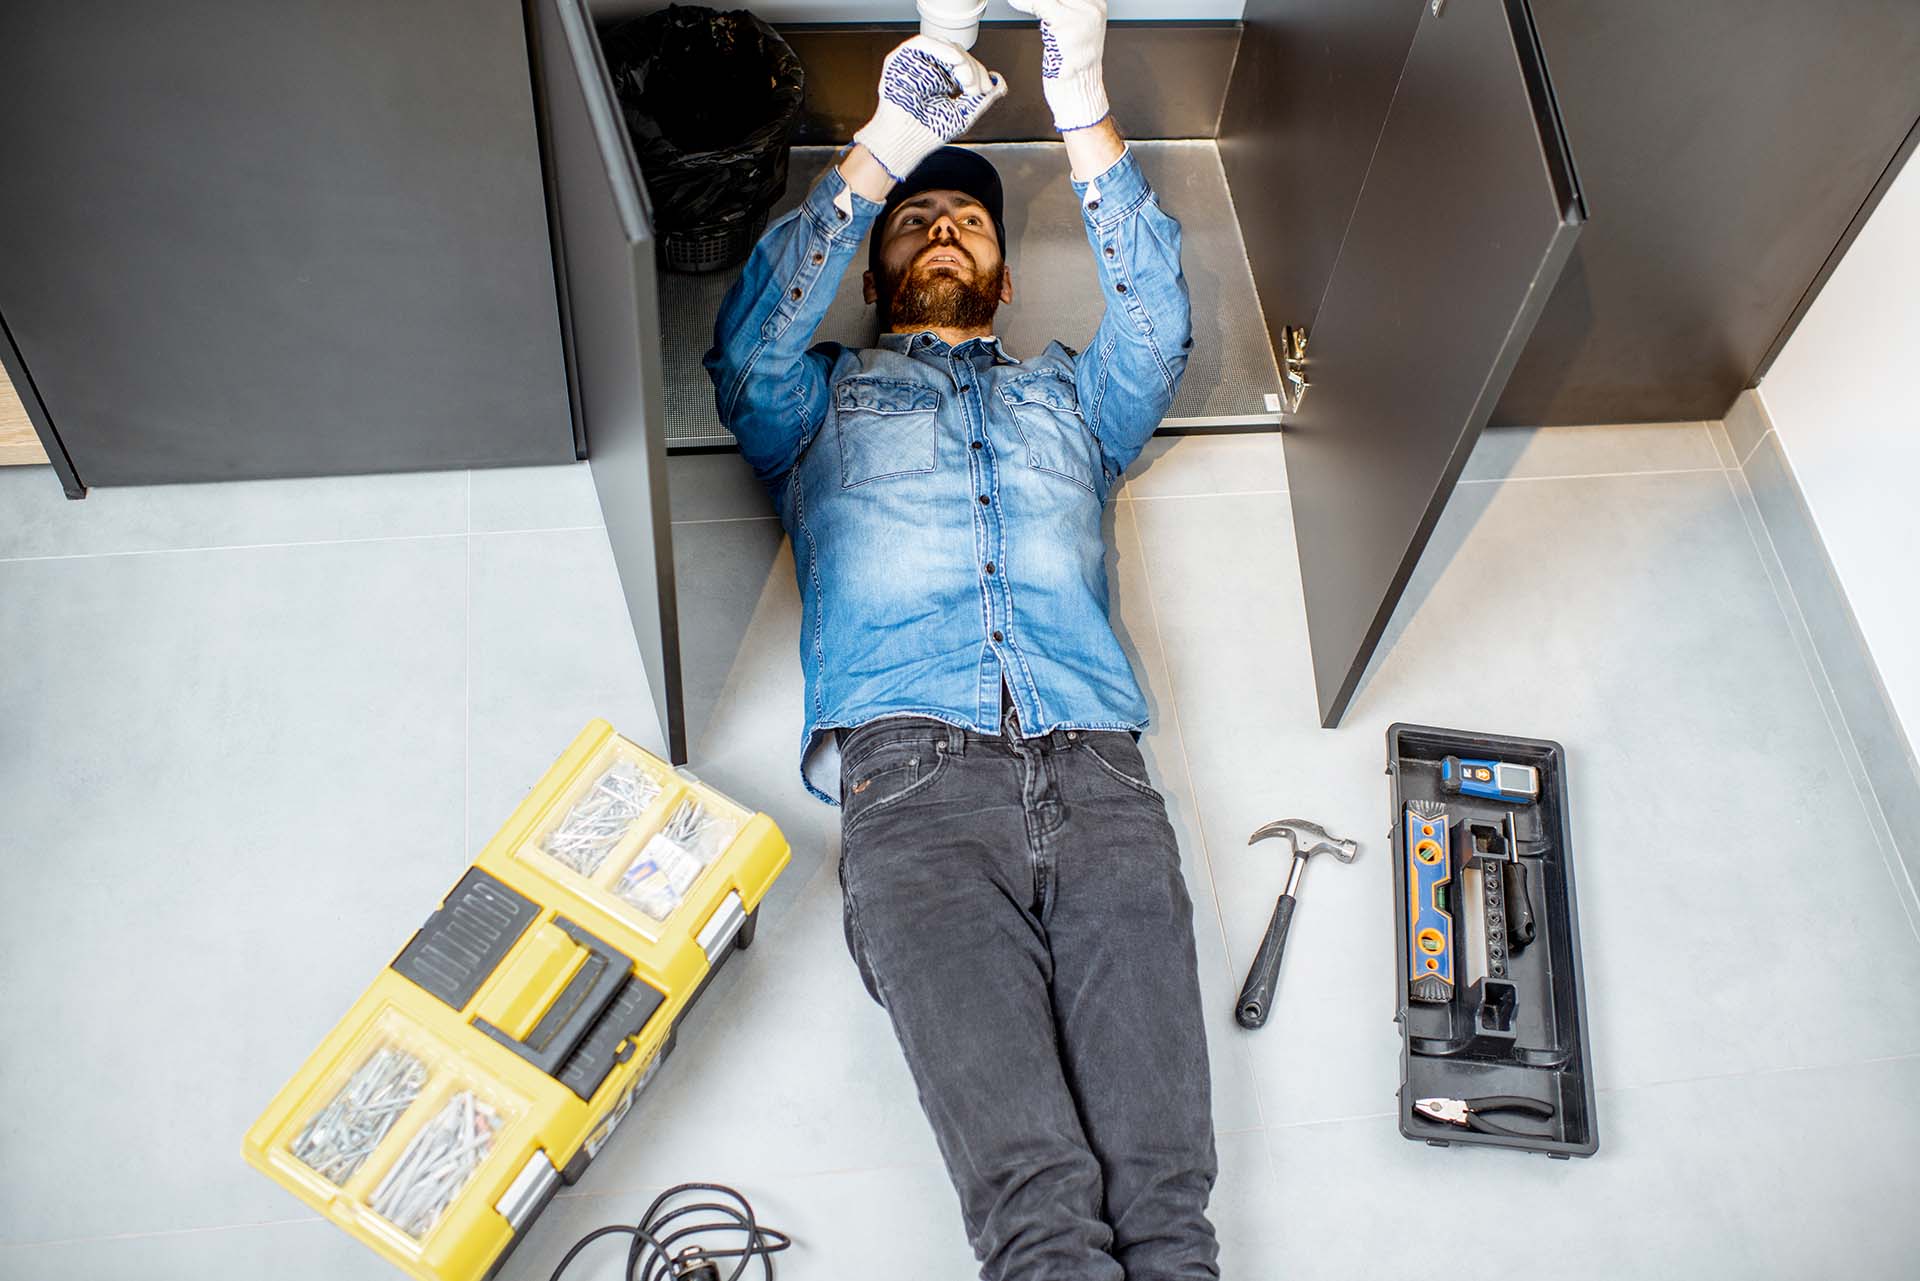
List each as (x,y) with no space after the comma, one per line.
(903,11)
(1844,397)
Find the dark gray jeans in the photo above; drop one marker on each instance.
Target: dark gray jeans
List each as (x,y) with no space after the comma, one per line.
(1016,906)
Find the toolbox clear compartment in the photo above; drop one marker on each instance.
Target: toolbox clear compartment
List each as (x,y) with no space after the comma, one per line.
(377,1138)
(633,837)
(339,1138)
(1514,1024)
(451,1144)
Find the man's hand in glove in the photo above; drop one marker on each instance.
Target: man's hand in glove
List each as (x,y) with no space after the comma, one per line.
(1073,35)
(931,92)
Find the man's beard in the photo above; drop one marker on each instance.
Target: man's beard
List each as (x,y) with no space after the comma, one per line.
(942,300)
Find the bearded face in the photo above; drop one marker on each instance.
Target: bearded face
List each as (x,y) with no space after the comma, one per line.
(942,288)
(940,266)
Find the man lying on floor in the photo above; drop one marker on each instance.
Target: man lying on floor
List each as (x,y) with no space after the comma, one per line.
(1012,888)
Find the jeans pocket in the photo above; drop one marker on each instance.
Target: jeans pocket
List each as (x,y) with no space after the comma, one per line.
(886,427)
(882,778)
(1118,756)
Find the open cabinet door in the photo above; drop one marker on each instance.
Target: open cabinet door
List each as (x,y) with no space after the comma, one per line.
(603,247)
(1469,211)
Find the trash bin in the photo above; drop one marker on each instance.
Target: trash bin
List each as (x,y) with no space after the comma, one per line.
(711,99)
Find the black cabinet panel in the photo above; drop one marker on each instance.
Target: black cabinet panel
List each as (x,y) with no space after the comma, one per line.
(1724,145)
(606,249)
(1303,113)
(1468,212)
(297,238)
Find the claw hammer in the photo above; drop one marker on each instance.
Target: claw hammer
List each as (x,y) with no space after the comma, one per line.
(1256,998)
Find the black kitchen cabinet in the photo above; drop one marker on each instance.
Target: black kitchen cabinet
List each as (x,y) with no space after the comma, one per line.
(303,238)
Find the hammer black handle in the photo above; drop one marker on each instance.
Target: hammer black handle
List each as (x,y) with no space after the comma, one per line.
(1256,998)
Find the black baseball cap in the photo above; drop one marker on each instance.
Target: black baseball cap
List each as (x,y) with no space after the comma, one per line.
(948,169)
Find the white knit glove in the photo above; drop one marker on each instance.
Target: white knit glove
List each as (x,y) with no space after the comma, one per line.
(931,92)
(1073,38)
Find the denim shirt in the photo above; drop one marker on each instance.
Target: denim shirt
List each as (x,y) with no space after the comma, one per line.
(945,503)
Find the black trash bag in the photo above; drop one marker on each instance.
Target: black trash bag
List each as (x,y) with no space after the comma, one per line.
(711,100)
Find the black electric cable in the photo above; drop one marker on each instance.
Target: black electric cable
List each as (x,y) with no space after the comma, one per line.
(651,1256)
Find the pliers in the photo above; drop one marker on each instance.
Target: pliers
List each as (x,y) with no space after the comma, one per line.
(1468,1112)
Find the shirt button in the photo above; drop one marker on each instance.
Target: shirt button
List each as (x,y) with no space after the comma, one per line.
(998,637)
(1093,204)
(798,294)
(819,257)
(989,567)
(1112,252)
(973,444)
(984,500)
(1121,287)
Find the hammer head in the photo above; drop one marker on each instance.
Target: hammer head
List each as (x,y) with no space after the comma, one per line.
(1296,830)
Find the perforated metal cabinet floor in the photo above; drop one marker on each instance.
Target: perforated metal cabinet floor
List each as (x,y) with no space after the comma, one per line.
(1231,370)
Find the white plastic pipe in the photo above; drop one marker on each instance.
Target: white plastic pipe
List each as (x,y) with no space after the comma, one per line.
(955,21)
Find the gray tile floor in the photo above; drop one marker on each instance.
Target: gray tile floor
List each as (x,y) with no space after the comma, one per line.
(249,733)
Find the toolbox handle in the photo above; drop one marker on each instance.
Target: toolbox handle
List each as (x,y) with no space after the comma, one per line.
(577,1008)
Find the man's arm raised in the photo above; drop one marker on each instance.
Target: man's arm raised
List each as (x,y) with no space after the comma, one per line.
(1093,150)
(1128,376)
(867,176)
(769,389)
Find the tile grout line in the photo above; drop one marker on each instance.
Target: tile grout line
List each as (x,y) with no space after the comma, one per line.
(1760,440)
(310,542)
(540,529)
(1707,425)
(1224,493)
(1810,659)
(1790,1069)
(1125,495)
(157,1232)
(724,520)
(466,663)
(1613,1090)
(1814,664)
(1814,667)
(1788,602)
(239,547)
(1601,475)
(1193,792)
(1186,763)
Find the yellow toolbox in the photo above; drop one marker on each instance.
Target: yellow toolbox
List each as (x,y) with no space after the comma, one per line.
(491,1060)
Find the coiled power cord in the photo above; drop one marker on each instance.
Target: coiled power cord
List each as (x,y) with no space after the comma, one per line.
(668,1243)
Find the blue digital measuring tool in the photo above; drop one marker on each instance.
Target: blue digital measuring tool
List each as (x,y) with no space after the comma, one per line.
(1429,920)
(1490,780)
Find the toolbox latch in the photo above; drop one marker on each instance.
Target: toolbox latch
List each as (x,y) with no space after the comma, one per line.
(529,1192)
(717,935)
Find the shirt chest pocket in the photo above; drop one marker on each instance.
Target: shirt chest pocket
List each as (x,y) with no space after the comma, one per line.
(1046,409)
(886,427)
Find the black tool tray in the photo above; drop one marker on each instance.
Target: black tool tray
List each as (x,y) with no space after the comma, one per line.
(1526,1033)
